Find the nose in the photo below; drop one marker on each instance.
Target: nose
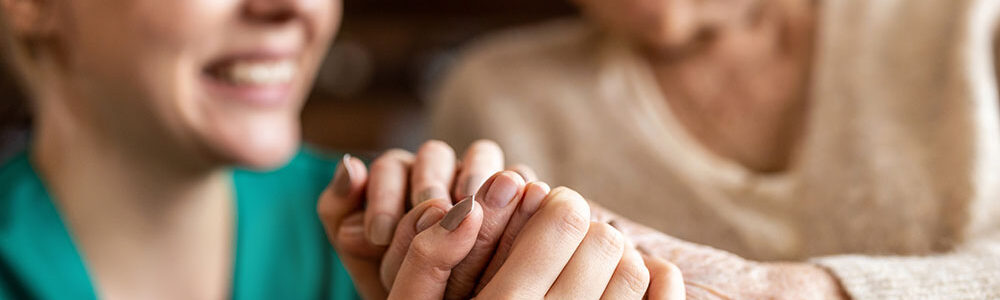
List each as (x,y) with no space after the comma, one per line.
(277,11)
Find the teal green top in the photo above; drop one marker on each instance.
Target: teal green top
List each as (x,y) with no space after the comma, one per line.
(281,248)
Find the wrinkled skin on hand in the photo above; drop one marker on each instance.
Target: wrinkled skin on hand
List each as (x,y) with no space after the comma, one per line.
(711,273)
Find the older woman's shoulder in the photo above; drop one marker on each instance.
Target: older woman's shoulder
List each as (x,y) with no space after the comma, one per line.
(520,64)
(551,40)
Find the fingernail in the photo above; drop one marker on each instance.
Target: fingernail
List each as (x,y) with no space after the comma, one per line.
(643,249)
(471,185)
(615,224)
(500,193)
(382,227)
(429,217)
(353,228)
(523,173)
(343,184)
(434,192)
(458,213)
(534,193)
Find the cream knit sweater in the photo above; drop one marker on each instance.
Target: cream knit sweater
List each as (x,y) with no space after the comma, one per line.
(894,190)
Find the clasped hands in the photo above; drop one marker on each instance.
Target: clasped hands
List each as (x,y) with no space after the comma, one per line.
(402,233)
(407,228)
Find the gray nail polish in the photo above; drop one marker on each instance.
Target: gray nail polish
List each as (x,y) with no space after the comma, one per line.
(428,218)
(458,213)
(382,228)
(470,186)
(342,185)
(434,192)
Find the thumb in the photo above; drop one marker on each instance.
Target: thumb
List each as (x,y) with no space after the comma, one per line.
(342,198)
(340,210)
(435,251)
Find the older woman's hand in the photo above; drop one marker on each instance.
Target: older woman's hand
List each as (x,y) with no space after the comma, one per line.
(711,273)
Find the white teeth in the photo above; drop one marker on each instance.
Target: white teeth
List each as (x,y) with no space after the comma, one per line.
(259,72)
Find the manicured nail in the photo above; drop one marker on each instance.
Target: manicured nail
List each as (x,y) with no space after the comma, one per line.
(353,228)
(428,218)
(382,227)
(458,213)
(501,192)
(471,185)
(342,186)
(434,192)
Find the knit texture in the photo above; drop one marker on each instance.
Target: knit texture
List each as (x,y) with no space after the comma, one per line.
(894,188)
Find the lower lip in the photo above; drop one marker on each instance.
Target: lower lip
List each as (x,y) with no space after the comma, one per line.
(269,95)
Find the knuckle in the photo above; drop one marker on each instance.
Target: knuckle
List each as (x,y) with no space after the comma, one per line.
(484,145)
(325,208)
(609,241)
(396,155)
(436,146)
(634,276)
(570,200)
(424,253)
(386,193)
(571,222)
(382,163)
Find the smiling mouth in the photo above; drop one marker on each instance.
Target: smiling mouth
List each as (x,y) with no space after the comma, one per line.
(255,81)
(250,72)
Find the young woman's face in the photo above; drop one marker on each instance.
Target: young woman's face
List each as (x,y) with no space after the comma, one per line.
(222,79)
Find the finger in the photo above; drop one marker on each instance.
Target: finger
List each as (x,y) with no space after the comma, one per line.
(386,195)
(499,197)
(433,172)
(482,159)
(526,172)
(543,247)
(533,194)
(343,196)
(587,274)
(435,251)
(419,218)
(631,278)
(665,279)
(339,209)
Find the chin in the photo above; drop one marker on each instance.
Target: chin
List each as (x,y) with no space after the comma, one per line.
(266,158)
(261,148)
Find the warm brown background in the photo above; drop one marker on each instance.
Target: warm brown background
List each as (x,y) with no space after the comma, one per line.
(388,55)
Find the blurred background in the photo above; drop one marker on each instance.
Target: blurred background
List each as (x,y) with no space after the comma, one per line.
(371,92)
